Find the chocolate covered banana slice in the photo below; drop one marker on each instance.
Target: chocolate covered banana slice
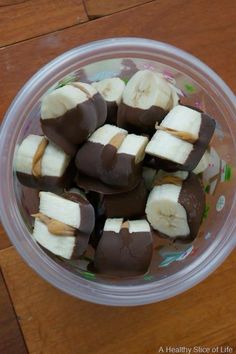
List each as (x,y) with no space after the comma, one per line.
(64,223)
(182,137)
(112,157)
(146,99)
(130,204)
(71,113)
(111,90)
(175,207)
(125,248)
(41,164)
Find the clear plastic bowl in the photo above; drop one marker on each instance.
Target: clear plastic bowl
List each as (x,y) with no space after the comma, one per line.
(174,268)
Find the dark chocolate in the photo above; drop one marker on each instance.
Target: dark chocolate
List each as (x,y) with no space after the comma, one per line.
(192,198)
(137,120)
(207,129)
(81,244)
(74,127)
(97,231)
(112,109)
(125,205)
(49,183)
(86,210)
(124,254)
(104,163)
(95,185)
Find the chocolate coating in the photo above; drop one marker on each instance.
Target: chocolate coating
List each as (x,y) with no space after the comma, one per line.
(97,232)
(206,132)
(73,127)
(104,163)
(87,214)
(112,109)
(125,205)
(192,198)
(124,254)
(49,183)
(207,129)
(95,185)
(137,120)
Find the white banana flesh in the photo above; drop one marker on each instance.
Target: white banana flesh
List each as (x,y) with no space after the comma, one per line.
(111,89)
(146,89)
(183,119)
(165,213)
(59,245)
(173,147)
(106,133)
(61,209)
(169,147)
(26,152)
(134,226)
(53,162)
(61,100)
(134,145)
(113,225)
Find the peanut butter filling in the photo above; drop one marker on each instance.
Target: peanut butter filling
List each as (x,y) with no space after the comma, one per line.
(168,180)
(117,140)
(56,227)
(36,163)
(190,138)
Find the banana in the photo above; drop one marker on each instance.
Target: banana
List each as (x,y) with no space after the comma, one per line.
(71,113)
(63,246)
(176,210)
(64,223)
(41,164)
(182,137)
(133,239)
(111,90)
(113,157)
(153,177)
(146,99)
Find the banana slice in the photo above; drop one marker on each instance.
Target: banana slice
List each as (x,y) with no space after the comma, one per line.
(71,113)
(41,164)
(112,157)
(182,138)
(176,210)
(68,218)
(146,99)
(63,246)
(111,90)
(134,241)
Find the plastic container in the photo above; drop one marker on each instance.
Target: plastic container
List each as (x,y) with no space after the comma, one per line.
(174,268)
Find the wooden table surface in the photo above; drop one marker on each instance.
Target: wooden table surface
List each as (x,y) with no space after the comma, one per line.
(37,318)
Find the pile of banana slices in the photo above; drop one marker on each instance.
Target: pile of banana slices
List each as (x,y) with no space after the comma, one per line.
(129,155)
